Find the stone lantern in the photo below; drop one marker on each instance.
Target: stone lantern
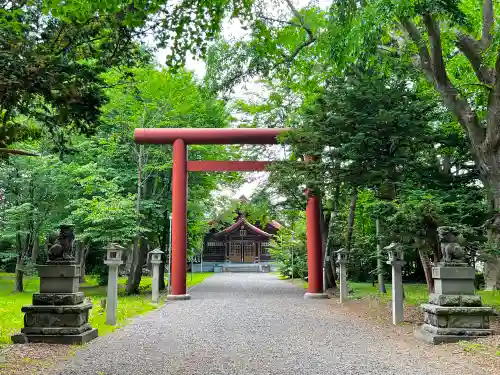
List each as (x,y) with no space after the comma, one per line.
(395,254)
(114,254)
(342,258)
(113,259)
(155,259)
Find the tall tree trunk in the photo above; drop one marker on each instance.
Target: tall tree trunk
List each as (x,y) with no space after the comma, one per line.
(20,261)
(19,287)
(325,234)
(350,220)
(329,250)
(380,258)
(492,186)
(135,275)
(164,247)
(35,250)
(162,284)
(81,255)
(426,264)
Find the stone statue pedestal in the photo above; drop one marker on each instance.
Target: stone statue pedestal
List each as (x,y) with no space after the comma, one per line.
(59,314)
(454,312)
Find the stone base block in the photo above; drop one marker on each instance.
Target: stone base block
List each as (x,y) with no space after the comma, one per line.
(178,297)
(457,316)
(51,316)
(456,331)
(455,300)
(316,296)
(59,271)
(59,284)
(56,339)
(436,338)
(56,330)
(58,298)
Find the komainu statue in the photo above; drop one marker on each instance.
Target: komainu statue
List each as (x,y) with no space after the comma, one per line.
(62,246)
(451,250)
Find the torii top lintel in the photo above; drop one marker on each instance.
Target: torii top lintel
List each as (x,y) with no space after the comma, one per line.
(205,136)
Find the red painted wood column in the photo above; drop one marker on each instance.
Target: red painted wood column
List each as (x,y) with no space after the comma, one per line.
(179,221)
(314,245)
(314,242)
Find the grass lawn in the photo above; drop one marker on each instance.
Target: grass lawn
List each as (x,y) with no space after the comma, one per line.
(415,294)
(11,318)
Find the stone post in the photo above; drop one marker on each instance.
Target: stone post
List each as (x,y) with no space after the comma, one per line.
(342,260)
(156,261)
(396,255)
(454,312)
(113,260)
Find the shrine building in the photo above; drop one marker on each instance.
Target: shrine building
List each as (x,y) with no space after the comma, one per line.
(240,246)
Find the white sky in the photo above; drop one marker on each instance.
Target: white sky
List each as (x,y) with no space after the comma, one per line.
(232,29)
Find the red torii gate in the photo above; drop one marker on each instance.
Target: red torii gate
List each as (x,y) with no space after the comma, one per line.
(180,138)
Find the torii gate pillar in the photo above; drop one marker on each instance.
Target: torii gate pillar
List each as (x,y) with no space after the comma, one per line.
(314,248)
(179,221)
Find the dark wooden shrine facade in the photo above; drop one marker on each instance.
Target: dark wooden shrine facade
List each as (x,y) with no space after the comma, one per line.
(242,242)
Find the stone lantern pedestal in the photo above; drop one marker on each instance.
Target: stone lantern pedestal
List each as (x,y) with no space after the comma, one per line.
(342,258)
(454,312)
(396,256)
(113,261)
(59,314)
(155,286)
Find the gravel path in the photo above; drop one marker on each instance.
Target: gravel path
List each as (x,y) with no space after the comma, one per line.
(250,324)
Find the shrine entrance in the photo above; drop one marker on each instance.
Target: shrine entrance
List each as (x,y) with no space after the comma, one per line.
(240,251)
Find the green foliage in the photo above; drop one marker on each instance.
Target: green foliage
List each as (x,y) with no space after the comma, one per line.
(288,248)
(366,128)
(94,185)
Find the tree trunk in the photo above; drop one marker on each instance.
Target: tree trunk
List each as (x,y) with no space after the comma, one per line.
(19,287)
(35,250)
(161,283)
(350,221)
(164,247)
(330,270)
(135,275)
(81,255)
(380,259)
(325,234)
(492,186)
(426,264)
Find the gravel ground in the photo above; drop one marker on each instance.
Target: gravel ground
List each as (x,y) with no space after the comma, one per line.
(239,323)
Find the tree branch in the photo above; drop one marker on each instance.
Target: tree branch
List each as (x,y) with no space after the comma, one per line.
(435,70)
(300,17)
(488,20)
(270,19)
(16,152)
(492,140)
(423,51)
(472,50)
(437,60)
(310,35)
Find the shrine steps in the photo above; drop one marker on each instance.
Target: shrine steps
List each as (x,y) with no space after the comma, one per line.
(244,267)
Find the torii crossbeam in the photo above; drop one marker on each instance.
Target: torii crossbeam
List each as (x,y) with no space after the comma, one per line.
(180,138)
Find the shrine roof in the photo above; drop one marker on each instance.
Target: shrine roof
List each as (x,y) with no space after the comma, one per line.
(242,221)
